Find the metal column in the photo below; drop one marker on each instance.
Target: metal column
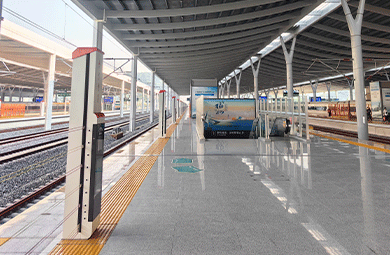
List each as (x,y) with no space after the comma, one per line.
(223,89)
(228,87)
(98,34)
(152,97)
(133,105)
(255,71)
(355,27)
(289,58)
(147,100)
(122,97)
(276,93)
(173,109)
(50,90)
(350,84)
(238,81)
(143,100)
(314,88)
(162,124)
(1,12)
(328,86)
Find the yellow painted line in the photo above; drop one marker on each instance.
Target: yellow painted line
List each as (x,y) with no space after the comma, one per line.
(4,240)
(354,143)
(116,201)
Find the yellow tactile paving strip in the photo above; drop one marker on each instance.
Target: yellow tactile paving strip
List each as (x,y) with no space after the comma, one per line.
(115,201)
(373,147)
(3,240)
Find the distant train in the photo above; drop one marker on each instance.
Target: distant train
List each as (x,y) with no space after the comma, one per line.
(346,109)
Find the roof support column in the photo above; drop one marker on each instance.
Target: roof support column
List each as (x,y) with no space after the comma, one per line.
(11,92)
(152,97)
(314,88)
(355,28)
(223,89)
(229,82)
(20,94)
(289,68)
(98,34)
(1,12)
(133,101)
(147,101)
(238,76)
(276,93)
(328,86)
(255,71)
(2,91)
(143,101)
(122,98)
(166,91)
(351,85)
(168,99)
(50,90)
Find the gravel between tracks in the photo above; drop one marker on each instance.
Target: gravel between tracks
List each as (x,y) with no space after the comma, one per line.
(20,177)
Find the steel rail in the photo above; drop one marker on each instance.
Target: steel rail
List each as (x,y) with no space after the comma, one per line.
(52,185)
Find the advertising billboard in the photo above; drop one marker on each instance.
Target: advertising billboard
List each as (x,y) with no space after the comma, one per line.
(196,92)
(386,98)
(376,104)
(230,118)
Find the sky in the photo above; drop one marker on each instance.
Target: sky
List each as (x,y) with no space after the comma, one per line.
(65,20)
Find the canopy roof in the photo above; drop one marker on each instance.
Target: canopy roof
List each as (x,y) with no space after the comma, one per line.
(187,39)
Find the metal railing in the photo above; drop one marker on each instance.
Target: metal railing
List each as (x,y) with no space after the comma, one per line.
(293,109)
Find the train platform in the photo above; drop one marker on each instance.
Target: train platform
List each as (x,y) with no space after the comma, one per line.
(38,228)
(177,195)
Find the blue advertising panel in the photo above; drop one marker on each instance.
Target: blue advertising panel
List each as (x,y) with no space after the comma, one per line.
(230,118)
(318,99)
(38,99)
(196,92)
(108,99)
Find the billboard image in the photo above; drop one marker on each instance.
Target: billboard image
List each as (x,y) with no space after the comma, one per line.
(376,104)
(196,92)
(229,118)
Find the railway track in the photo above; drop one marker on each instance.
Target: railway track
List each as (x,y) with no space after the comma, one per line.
(29,198)
(45,145)
(374,138)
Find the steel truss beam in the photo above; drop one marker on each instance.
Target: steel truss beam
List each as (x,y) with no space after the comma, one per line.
(217,21)
(167,13)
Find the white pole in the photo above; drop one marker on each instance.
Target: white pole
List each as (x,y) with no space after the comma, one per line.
(133,105)
(122,98)
(355,27)
(152,97)
(307,118)
(50,84)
